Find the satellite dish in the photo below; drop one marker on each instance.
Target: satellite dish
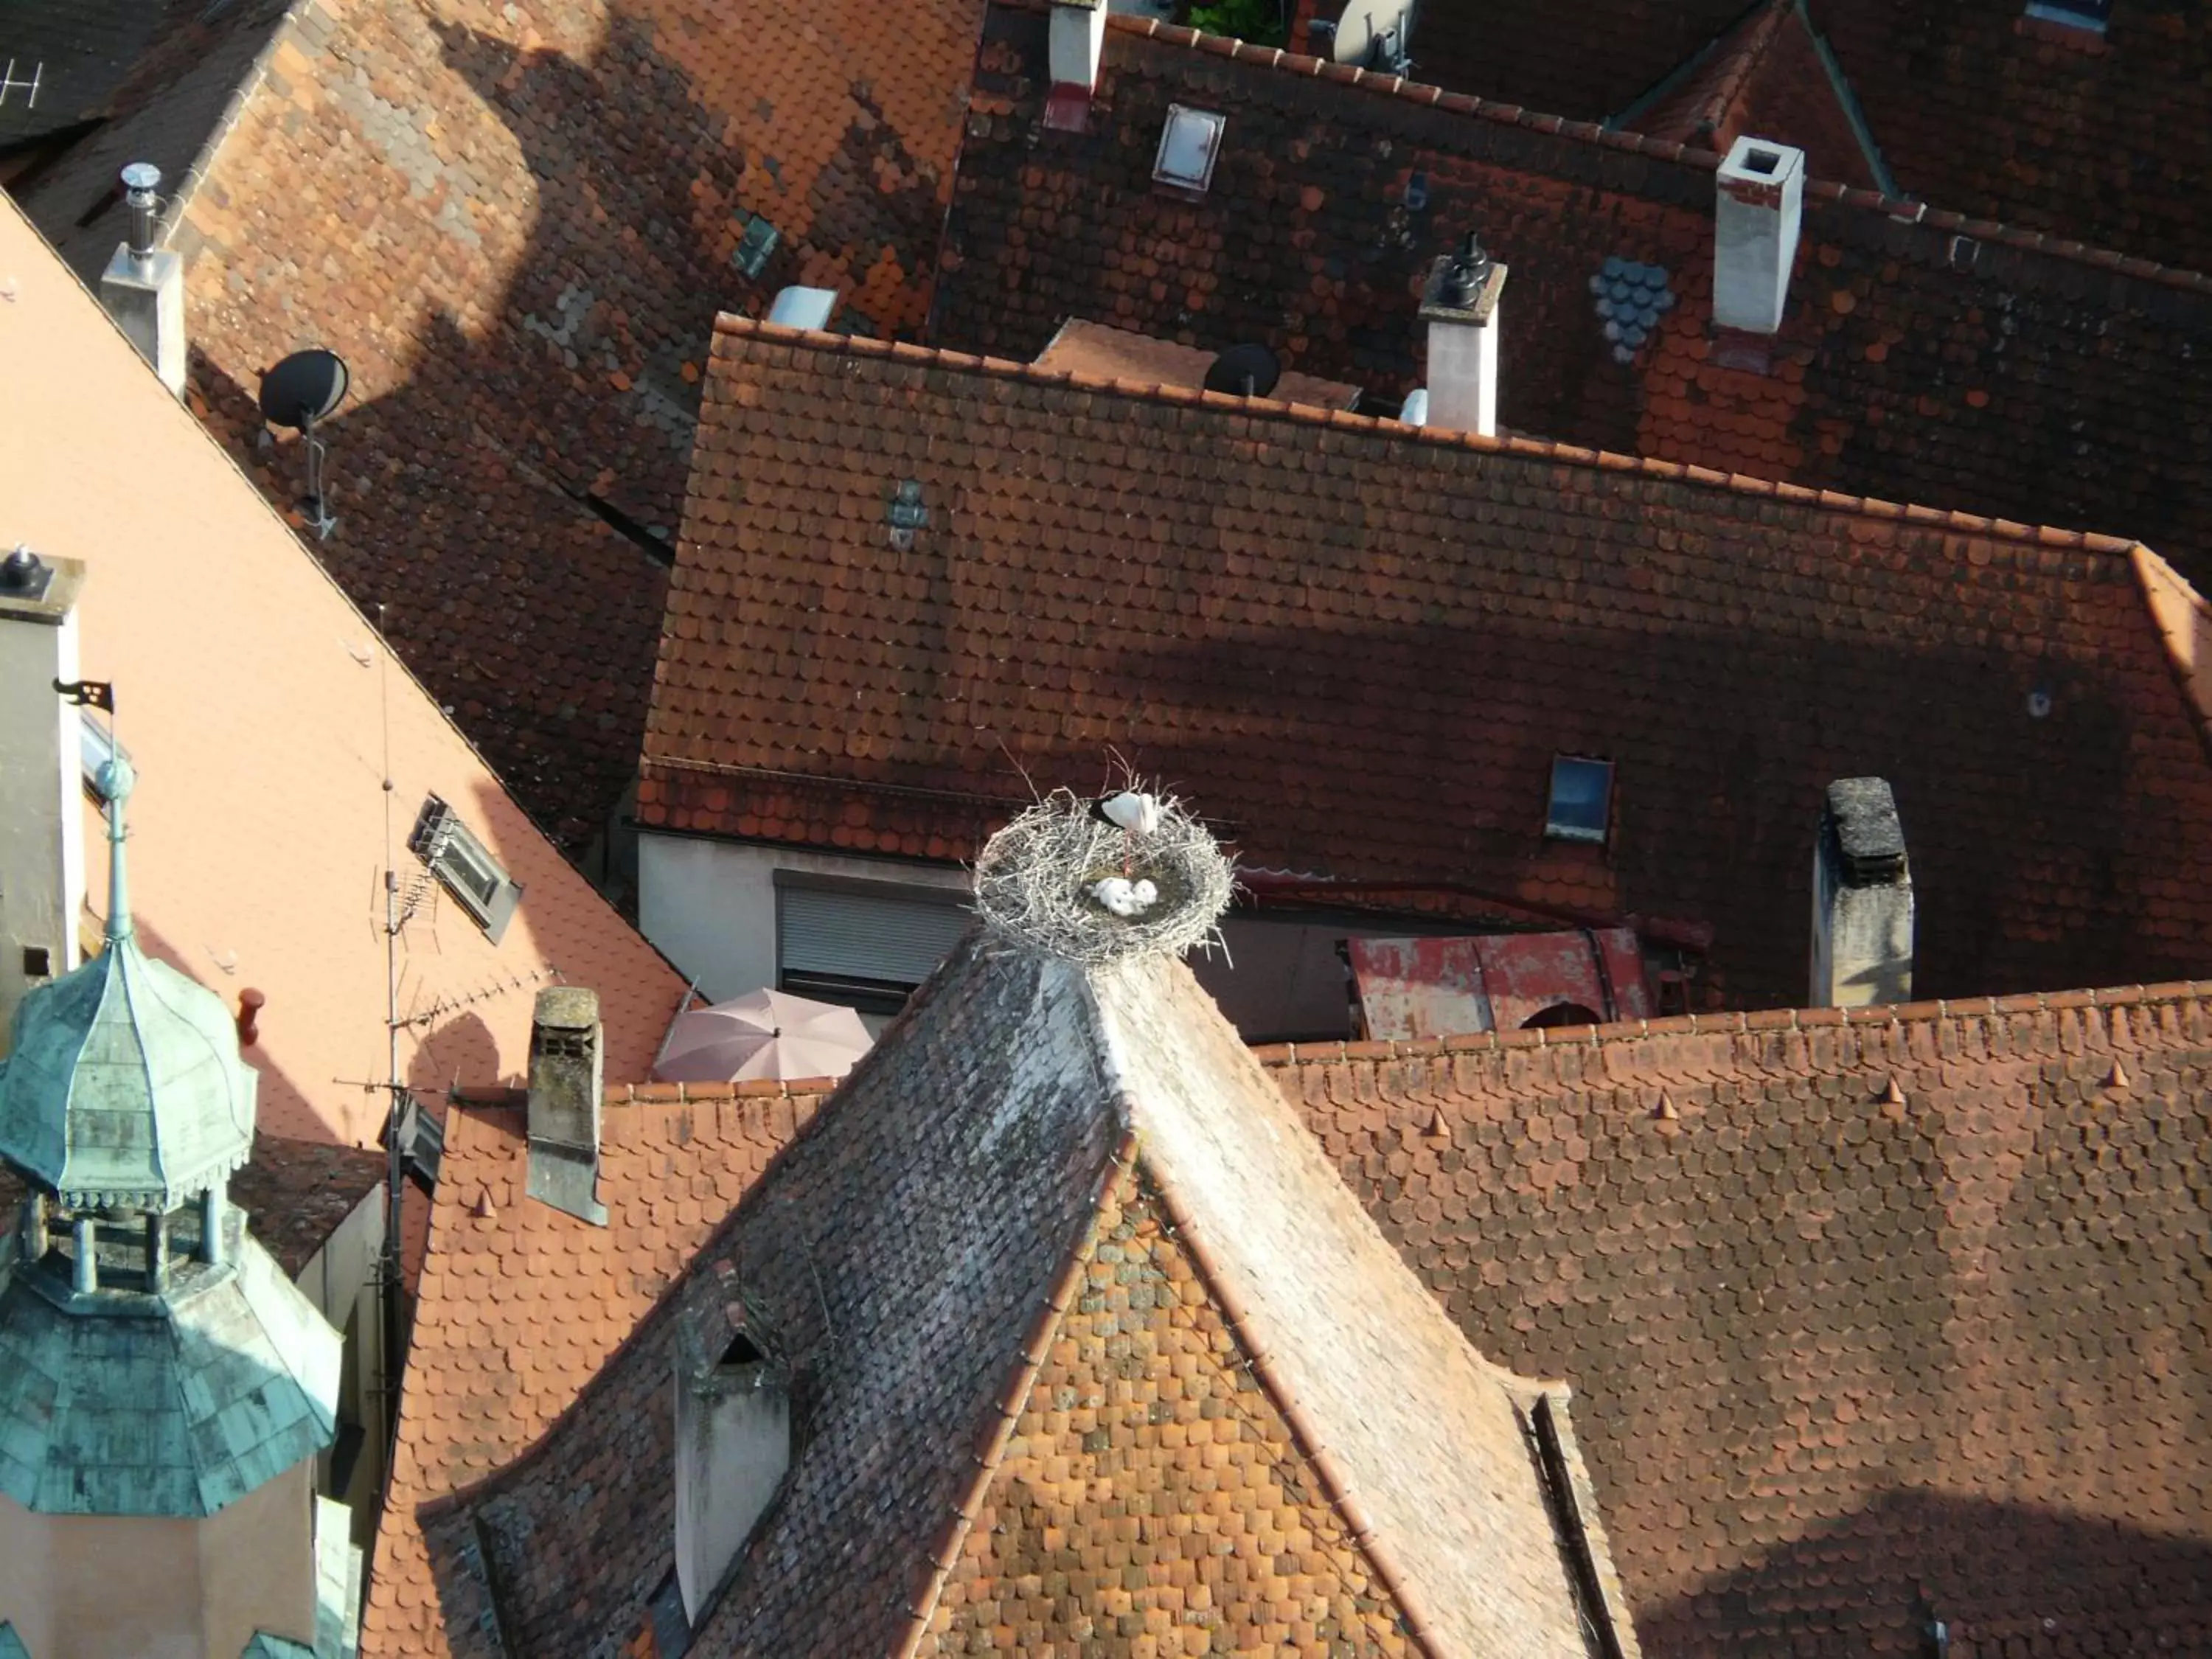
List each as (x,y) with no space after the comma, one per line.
(1244,371)
(306,387)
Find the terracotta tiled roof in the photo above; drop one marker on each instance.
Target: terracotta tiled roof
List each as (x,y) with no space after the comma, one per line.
(1980,107)
(1017,1144)
(1924,357)
(517,225)
(519,1304)
(1764,77)
(263,718)
(1367,643)
(1905,1307)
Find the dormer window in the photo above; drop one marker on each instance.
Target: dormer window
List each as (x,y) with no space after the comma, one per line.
(469,872)
(2089,15)
(1581,807)
(1189,145)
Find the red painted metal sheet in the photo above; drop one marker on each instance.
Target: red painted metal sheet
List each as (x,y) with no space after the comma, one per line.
(1411,988)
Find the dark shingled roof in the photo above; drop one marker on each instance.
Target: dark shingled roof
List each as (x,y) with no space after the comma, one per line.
(1924,357)
(1875,1320)
(1369,642)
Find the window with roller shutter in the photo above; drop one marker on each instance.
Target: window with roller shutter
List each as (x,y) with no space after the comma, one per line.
(864,945)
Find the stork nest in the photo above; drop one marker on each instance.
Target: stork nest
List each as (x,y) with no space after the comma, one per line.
(1033,882)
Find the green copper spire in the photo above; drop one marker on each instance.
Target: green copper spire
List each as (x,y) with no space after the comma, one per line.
(125,1087)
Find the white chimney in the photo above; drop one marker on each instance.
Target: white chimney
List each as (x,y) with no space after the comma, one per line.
(1078,41)
(1460,306)
(41,777)
(1861,899)
(143,286)
(1761,196)
(732,1447)
(566,1081)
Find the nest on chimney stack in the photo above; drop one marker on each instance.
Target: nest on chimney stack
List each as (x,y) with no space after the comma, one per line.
(1035,882)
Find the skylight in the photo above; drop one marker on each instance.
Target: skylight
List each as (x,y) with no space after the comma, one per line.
(1190,144)
(1581,798)
(2091,15)
(466,867)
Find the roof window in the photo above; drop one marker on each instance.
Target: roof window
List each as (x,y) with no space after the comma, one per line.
(1190,144)
(468,871)
(1581,798)
(754,246)
(2090,14)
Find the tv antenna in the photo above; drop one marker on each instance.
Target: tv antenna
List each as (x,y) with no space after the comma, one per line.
(307,387)
(8,83)
(1245,371)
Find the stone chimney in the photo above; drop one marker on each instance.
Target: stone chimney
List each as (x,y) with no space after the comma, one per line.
(1861,899)
(143,286)
(732,1448)
(1461,308)
(566,1082)
(1761,195)
(41,777)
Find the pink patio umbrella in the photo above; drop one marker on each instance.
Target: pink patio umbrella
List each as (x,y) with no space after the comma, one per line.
(762,1034)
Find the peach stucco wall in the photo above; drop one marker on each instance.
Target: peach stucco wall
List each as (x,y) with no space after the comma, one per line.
(254,700)
(97,1586)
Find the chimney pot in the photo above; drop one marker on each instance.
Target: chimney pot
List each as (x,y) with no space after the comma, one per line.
(140,180)
(1861,899)
(1761,190)
(250,1005)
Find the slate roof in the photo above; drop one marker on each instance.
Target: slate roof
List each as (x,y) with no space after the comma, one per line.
(1370,642)
(1064,1170)
(516,226)
(1925,356)
(1906,1306)
(258,707)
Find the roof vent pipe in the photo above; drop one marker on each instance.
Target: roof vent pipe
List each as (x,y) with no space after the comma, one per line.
(140,180)
(1755,220)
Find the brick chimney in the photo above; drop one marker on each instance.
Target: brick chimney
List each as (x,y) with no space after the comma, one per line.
(1460,306)
(143,286)
(41,777)
(566,1082)
(1861,899)
(1761,195)
(732,1447)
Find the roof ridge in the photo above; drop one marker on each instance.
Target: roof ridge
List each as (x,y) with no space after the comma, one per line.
(1541,449)
(1961,225)
(1191,1234)
(1616,1034)
(2183,620)
(1004,1413)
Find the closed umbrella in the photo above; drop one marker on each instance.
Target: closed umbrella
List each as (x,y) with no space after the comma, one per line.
(762,1033)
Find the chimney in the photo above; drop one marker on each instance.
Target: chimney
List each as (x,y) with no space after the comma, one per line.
(1077,42)
(1861,899)
(41,777)
(566,1082)
(1761,191)
(1460,306)
(732,1448)
(143,286)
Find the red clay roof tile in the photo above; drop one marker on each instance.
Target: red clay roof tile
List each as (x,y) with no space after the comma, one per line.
(1507,601)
